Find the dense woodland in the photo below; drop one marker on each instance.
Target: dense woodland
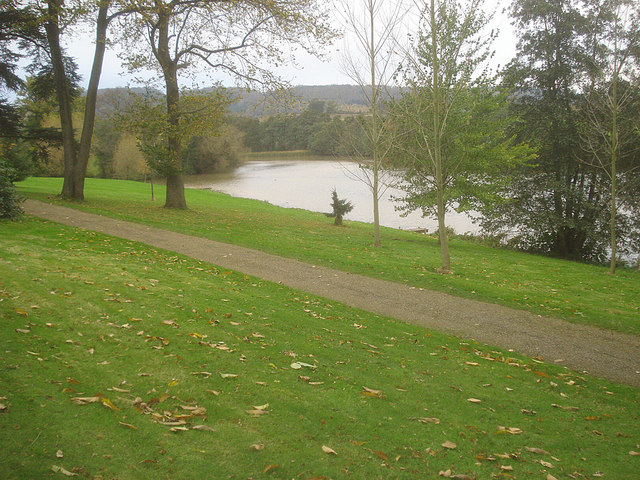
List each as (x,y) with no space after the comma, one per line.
(548,148)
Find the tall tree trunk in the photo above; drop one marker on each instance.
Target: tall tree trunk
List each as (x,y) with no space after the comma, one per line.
(175,185)
(52,29)
(614,161)
(375,126)
(437,148)
(80,170)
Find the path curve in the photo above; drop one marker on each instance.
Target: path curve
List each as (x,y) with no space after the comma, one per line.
(583,348)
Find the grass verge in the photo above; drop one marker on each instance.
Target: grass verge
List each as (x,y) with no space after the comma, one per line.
(123,361)
(576,292)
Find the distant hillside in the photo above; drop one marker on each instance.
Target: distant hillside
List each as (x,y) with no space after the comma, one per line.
(345,99)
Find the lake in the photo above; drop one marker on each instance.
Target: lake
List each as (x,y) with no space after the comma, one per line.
(307,182)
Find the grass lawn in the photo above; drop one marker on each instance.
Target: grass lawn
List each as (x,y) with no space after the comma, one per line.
(121,361)
(576,292)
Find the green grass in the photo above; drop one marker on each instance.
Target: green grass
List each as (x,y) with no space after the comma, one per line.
(576,292)
(83,314)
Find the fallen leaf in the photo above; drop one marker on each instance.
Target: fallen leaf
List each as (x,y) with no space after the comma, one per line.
(372,391)
(380,455)
(546,464)
(205,428)
(229,375)
(268,468)
(328,450)
(633,453)
(86,400)
(573,409)
(63,471)
(539,451)
(449,445)
(473,364)
(445,473)
(299,365)
(59,454)
(506,468)
(196,335)
(257,413)
(426,420)
(257,447)
(509,430)
(474,400)
(551,477)
(178,429)
(107,403)
(128,425)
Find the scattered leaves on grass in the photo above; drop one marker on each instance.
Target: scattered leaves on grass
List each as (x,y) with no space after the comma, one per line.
(449,445)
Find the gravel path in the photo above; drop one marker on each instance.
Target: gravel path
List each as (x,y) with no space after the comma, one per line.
(608,354)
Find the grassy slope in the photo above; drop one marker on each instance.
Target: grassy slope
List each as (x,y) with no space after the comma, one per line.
(83,314)
(576,292)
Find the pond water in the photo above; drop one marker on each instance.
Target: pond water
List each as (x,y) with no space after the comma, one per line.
(307,182)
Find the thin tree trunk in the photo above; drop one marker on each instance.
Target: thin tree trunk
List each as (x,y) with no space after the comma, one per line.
(80,170)
(442,229)
(375,134)
(614,160)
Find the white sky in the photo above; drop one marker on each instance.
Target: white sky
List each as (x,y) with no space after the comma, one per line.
(310,70)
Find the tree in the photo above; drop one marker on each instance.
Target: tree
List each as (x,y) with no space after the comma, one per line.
(449,122)
(374,25)
(238,38)
(54,17)
(200,115)
(609,131)
(562,206)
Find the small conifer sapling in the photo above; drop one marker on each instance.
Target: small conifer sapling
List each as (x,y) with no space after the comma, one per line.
(340,207)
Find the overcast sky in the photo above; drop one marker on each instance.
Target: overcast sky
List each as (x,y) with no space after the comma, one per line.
(310,70)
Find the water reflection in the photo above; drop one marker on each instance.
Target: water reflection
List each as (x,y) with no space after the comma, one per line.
(307,183)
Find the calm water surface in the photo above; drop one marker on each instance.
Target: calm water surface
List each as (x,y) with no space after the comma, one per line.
(307,183)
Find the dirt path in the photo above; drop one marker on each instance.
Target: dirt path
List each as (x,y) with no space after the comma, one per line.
(583,348)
